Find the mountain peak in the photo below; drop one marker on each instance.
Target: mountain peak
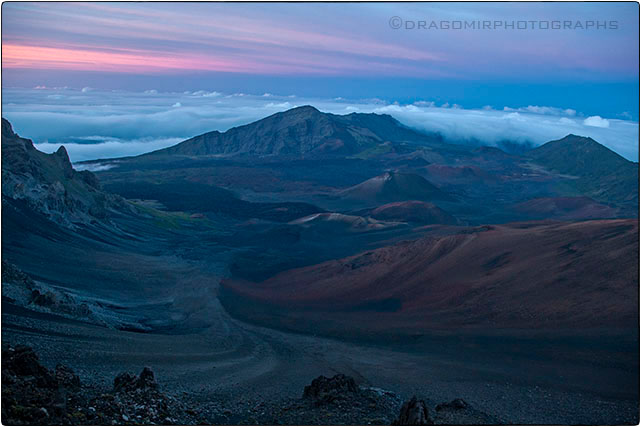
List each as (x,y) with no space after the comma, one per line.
(7,130)
(394,186)
(577,148)
(303,112)
(303,108)
(302,131)
(49,183)
(572,138)
(598,172)
(62,157)
(62,152)
(12,142)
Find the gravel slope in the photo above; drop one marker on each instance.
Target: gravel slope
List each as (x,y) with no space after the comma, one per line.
(235,367)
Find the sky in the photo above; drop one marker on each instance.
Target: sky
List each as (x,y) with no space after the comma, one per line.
(115,78)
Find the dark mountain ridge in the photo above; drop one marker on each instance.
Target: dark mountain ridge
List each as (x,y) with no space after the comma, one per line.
(301,131)
(593,169)
(368,145)
(576,155)
(50,185)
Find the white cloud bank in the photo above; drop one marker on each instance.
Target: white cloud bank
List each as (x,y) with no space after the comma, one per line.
(597,122)
(102,124)
(109,148)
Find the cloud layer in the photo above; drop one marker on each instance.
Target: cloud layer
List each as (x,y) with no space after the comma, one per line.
(104,124)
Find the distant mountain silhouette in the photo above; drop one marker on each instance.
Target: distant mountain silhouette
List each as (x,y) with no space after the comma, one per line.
(598,172)
(301,131)
(341,150)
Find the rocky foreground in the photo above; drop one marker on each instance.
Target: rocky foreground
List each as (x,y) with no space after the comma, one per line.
(35,395)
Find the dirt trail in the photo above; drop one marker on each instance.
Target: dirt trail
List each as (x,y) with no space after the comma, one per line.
(244,365)
(212,357)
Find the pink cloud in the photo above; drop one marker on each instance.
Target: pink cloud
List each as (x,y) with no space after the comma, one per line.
(88,58)
(21,56)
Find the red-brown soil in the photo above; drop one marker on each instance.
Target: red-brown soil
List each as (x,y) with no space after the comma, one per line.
(532,275)
(566,208)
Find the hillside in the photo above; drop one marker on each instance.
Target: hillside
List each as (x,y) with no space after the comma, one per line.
(300,132)
(394,187)
(513,276)
(412,211)
(593,170)
(565,208)
(50,185)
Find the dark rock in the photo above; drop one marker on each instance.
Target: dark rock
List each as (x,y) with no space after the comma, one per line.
(22,361)
(49,184)
(147,379)
(455,404)
(7,129)
(414,413)
(326,390)
(62,159)
(59,302)
(12,274)
(66,377)
(42,413)
(138,400)
(7,377)
(459,412)
(125,381)
(47,299)
(90,179)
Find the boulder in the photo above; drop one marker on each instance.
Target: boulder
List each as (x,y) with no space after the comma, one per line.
(44,299)
(147,378)
(459,412)
(66,377)
(128,381)
(22,361)
(326,390)
(414,413)
(125,381)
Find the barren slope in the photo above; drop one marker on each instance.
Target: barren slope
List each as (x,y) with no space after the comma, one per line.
(533,275)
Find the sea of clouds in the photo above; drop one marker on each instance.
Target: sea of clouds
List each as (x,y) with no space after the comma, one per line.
(95,124)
